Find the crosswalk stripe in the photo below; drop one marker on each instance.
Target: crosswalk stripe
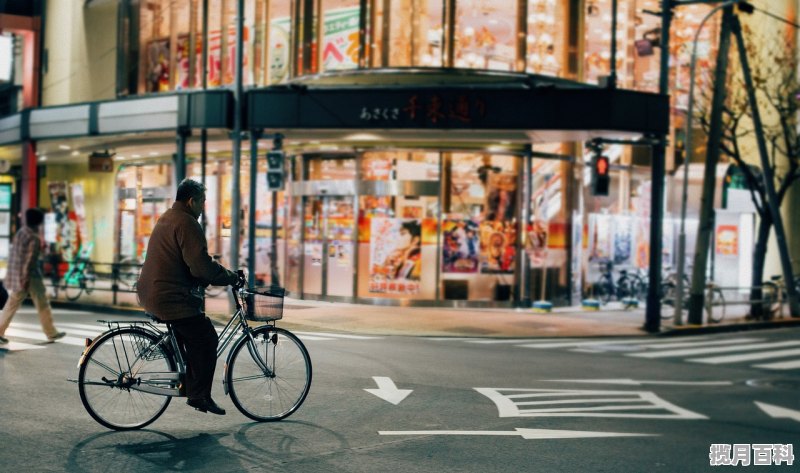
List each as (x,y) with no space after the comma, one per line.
(597,342)
(19,346)
(781,365)
(338,335)
(64,327)
(717,360)
(39,336)
(702,343)
(519,340)
(700,351)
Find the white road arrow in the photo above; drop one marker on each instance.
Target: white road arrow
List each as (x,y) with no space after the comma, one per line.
(529,434)
(388,391)
(633,382)
(778,412)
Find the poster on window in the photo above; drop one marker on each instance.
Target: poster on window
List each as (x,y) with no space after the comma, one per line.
(395,255)
(536,243)
(157,57)
(623,240)
(727,240)
(498,250)
(340,50)
(461,246)
(501,193)
(600,238)
(182,63)
(279,49)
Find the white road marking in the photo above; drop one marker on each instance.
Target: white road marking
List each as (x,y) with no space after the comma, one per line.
(511,402)
(702,343)
(520,340)
(633,382)
(717,360)
(585,343)
(339,335)
(700,351)
(39,336)
(781,365)
(528,434)
(778,411)
(19,346)
(63,327)
(388,391)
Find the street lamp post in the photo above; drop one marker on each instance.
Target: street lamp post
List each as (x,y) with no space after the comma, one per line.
(686,161)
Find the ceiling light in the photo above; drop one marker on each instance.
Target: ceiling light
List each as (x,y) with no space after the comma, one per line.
(153,153)
(75,153)
(64,147)
(136,156)
(43,158)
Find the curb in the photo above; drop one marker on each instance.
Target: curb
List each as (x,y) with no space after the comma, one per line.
(737,327)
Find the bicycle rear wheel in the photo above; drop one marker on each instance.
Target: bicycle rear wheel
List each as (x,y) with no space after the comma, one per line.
(277,393)
(108,372)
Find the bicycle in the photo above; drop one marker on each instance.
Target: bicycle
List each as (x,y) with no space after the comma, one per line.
(80,276)
(129,374)
(775,295)
(605,288)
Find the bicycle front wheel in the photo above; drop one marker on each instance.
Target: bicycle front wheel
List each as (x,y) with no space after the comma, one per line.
(276,392)
(72,287)
(108,376)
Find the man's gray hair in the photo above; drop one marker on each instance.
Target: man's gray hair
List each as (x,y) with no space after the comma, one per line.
(189,188)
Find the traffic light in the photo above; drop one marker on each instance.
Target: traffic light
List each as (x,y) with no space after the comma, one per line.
(601,179)
(275,170)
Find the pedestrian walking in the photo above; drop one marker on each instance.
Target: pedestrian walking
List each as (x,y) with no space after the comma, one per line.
(24,277)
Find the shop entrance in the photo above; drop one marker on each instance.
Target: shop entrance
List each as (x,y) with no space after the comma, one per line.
(328,245)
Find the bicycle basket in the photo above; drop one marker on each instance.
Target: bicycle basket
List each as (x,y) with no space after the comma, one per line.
(264,305)
(143,348)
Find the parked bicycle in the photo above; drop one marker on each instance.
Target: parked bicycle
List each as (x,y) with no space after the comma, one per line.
(775,295)
(79,277)
(129,374)
(605,288)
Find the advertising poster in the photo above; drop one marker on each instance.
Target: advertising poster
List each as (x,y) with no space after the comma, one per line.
(461,245)
(623,240)
(157,71)
(279,49)
(395,256)
(79,206)
(601,237)
(340,50)
(497,247)
(501,201)
(537,243)
(727,241)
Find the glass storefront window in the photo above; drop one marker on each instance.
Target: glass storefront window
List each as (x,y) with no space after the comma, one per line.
(479,227)
(485,34)
(340,37)
(546,39)
(145,192)
(401,166)
(406,33)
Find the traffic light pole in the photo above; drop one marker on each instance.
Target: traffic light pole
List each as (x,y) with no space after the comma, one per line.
(255,135)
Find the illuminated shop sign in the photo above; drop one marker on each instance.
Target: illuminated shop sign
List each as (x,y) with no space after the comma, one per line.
(6,58)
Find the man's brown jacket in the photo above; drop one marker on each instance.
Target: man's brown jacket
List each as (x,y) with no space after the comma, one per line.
(177,261)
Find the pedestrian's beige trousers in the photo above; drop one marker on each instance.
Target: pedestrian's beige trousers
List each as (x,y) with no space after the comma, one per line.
(36,291)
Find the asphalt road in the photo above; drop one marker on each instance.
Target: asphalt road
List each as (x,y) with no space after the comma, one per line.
(475,405)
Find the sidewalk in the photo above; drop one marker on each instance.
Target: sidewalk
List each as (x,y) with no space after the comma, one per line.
(303,315)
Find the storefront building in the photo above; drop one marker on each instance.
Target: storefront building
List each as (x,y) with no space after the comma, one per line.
(435,149)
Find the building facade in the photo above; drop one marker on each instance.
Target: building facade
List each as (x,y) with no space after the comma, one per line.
(435,149)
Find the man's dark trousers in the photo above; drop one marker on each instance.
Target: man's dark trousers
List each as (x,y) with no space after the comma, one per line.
(199,339)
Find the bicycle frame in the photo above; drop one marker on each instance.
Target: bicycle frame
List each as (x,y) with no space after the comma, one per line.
(150,382)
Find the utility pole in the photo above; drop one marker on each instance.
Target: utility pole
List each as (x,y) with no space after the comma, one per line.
(652,322)
(705,228)
(236,203)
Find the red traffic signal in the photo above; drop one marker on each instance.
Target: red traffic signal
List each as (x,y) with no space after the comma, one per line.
(601,180)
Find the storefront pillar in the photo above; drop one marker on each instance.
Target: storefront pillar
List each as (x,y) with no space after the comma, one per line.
(251,209)
(180,155)
(30,179)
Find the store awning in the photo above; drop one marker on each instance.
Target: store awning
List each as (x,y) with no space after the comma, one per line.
(542,113)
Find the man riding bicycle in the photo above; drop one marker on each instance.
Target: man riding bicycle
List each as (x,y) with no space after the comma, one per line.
(169,287)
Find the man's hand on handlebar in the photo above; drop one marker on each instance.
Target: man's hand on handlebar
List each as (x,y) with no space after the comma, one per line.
(242,281)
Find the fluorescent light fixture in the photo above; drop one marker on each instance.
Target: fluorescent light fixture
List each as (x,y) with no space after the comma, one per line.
(362,137)
(153,153)
(42,158)
(136,156)
(75,153)
(64,147)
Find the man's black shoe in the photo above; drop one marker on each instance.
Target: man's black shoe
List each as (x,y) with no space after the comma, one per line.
(206,405)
